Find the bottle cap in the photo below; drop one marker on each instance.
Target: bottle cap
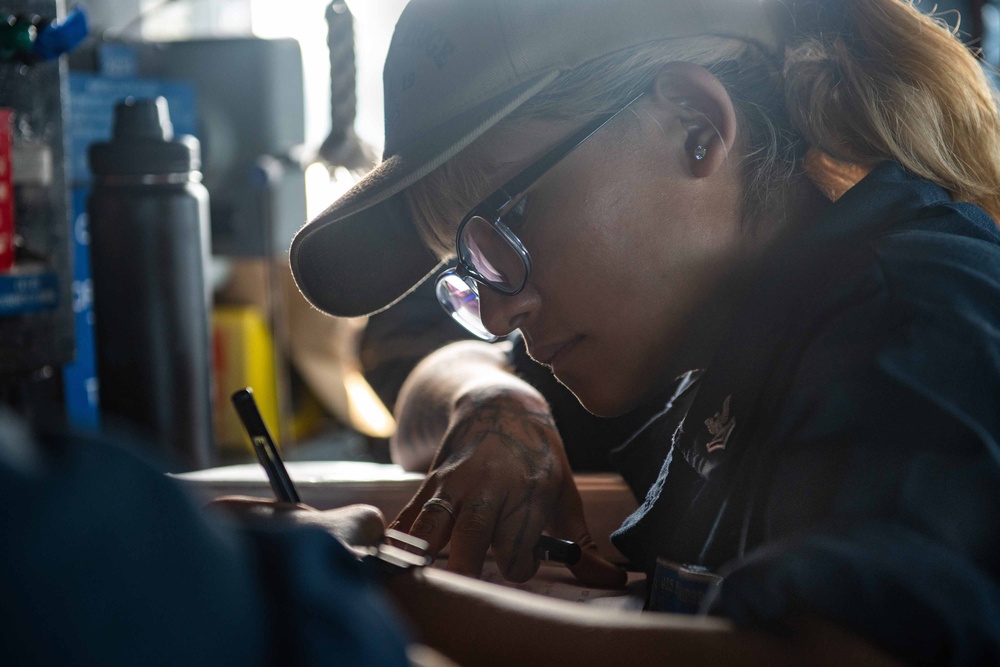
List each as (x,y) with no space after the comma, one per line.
(143,143)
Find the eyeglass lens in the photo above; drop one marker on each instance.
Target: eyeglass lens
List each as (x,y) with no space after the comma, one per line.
(460,299)
(492,255)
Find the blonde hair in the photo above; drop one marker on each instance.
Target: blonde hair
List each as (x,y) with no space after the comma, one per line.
(900,87)
(886,83)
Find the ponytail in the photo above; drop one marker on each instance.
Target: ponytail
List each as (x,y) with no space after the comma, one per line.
(892,83)
(865,81)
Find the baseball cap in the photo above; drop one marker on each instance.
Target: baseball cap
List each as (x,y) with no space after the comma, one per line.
(454,69)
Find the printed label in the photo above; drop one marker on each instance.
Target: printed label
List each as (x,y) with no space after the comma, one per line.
(28,293)
(680,589)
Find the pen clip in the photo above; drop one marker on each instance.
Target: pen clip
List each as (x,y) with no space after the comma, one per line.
(264,447)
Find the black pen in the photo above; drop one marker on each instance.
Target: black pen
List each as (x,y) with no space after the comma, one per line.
(554,550)
(547,548)
(264,447)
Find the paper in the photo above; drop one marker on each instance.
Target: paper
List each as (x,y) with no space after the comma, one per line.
(607,500)
(307,472)
(555,581)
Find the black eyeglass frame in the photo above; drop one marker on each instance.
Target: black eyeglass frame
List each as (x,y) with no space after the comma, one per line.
(496,204)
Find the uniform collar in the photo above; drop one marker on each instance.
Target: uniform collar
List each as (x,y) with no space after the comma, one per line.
(776,309)
(885,197)
(742,389)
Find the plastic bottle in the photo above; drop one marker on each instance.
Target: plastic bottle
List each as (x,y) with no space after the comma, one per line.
(149,230)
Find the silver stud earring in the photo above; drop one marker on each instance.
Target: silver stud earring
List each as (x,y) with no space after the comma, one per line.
(700,152)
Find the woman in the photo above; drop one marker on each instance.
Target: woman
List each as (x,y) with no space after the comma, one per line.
(773,220)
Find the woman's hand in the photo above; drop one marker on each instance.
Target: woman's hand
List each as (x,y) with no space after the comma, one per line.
(502,468)
(354,525)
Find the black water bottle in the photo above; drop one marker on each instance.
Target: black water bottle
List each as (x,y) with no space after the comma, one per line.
(149,235)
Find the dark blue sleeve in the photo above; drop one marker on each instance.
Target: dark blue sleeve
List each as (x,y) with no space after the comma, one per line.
(105,561)
(902,590)
(882,507)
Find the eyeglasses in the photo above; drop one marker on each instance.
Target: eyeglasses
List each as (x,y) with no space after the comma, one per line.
(489,253)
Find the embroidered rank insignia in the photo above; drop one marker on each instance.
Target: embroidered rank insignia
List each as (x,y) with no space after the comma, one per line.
(720,426)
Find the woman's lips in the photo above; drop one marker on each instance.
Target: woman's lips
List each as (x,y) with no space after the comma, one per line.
(549,355)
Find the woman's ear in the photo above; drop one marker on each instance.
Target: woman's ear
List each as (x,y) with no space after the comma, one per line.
(700,103)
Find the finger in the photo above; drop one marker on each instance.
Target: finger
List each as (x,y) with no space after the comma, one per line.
(594,570)
(282,506)
(237,503)
(249,507)
(514,544)
(357,525)
(433,525)
(471,536)
(409,514)
(568,523)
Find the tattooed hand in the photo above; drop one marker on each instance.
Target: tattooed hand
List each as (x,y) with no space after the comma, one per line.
(503,469)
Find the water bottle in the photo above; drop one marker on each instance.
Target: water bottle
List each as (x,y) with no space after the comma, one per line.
(149,235)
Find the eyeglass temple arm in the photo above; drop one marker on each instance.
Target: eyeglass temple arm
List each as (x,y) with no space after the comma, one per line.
(523,181)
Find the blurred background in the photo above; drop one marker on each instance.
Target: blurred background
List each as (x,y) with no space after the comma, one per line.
(101,244)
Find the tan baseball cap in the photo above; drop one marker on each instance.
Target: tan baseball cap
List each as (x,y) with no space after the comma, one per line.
(454,69)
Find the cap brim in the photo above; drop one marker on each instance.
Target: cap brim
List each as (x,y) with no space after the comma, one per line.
(364,253)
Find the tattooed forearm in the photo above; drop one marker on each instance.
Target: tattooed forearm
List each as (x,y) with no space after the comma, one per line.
(499,403)
(422,416)
(452,383)
(423,429)
(521,422)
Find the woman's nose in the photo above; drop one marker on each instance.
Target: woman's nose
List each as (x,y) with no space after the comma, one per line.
(501,314)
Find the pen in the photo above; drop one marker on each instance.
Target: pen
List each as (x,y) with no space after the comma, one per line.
(547,548)
(557,551)
(264,447)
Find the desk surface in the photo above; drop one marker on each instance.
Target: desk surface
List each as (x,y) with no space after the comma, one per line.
(607,500)
(555,581)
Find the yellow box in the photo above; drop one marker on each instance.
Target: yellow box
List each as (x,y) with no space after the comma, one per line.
(244,357)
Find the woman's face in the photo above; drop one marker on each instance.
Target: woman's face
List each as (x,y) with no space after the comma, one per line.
(631,240)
